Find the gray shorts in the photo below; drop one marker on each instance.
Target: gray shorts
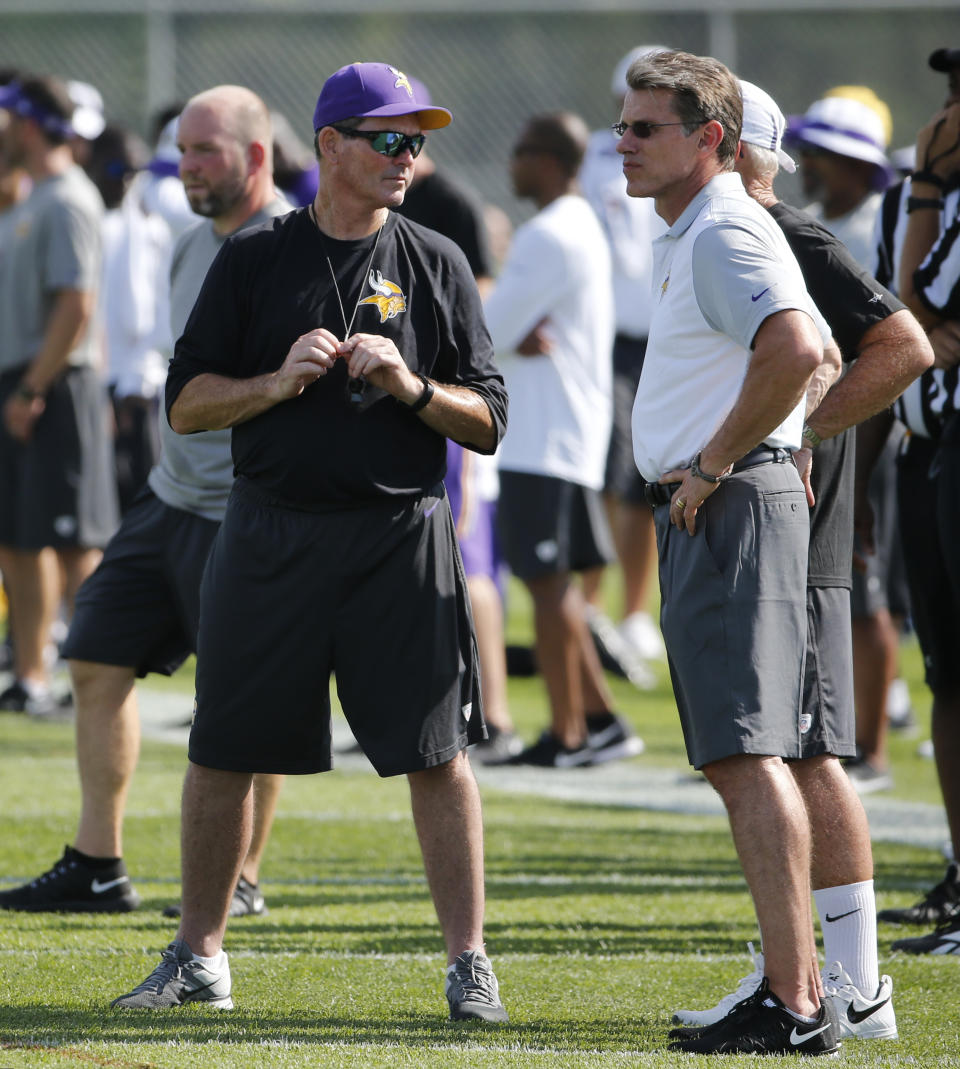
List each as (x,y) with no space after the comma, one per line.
(827,722)
(733,614)
(59,488)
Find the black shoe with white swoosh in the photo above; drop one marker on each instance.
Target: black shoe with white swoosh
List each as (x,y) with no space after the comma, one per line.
(74,886)
(761,1024)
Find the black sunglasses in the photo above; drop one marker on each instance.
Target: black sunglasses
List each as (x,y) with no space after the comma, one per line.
(387,142)
(641,128)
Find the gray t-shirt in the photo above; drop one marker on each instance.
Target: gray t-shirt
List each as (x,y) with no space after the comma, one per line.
(195,471)
(48,242)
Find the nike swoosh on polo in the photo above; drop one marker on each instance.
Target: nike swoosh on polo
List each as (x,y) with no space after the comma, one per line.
(840,916)
(856,1016)
(98,888)
(757,296)
(796,1038)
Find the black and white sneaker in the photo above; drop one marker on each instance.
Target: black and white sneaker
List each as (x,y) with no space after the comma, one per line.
(945,939)
(549,752)
(247,901)
(38,702)
(472,989)
(940,904)
(178,980)
(610,737)
(762,1024)
(74,886)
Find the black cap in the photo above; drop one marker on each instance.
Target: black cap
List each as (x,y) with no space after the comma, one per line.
(945,59)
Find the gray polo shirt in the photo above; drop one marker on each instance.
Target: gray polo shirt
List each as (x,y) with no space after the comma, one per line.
(48,243)
(195,471)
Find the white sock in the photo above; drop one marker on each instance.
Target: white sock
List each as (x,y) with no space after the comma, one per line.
(215,964)
(848,919)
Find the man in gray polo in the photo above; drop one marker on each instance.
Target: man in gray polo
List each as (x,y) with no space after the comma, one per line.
(733,343)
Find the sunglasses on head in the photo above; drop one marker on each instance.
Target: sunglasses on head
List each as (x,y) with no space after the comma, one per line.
(387,142)
(641,128)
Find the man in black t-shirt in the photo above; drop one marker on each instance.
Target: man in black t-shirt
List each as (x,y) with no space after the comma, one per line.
(885,349)
(343,344)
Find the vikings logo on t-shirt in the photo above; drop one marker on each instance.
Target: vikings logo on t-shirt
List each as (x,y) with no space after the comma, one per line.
(388,298)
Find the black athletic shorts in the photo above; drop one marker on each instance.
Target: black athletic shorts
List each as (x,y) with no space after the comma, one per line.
(374,594)
(884,583)
(59,488)
(549,526)
(141,607)
(622,479)
(928,491)
(827,717)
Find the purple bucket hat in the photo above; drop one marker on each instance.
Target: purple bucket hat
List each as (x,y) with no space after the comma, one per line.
(365,90)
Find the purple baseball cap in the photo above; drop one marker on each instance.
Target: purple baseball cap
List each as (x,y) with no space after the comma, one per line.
(364,90)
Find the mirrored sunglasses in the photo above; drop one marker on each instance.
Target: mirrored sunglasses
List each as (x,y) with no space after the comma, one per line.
(387,142)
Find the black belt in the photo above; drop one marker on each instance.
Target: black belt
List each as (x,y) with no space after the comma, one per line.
(660,493)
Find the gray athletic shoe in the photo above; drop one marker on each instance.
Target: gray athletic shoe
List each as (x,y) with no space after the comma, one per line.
(177,980)
(472,989)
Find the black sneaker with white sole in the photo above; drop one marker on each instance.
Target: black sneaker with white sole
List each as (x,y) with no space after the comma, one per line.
(75,886)
(761,1024)
(941,903)
(945,939)
(549,752)
(247,901)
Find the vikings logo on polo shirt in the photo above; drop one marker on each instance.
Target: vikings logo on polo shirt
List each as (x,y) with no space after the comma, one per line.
(388,297)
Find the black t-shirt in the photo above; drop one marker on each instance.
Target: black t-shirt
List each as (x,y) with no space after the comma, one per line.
(851,301)
(271,284)
(444,206)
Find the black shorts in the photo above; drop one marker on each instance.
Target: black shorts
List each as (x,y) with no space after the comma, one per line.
(622,479)
(827,717)
(928,487)
(884,583)
(141,607)
(375,594)
(549,526)
(59,488)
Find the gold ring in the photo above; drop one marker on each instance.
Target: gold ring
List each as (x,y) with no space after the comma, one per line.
(680,503)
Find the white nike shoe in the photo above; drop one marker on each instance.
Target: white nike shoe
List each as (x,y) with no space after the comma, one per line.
(861,1016)
(746,987)
(643,636)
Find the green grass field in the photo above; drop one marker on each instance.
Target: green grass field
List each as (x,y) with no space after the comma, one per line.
(601,920)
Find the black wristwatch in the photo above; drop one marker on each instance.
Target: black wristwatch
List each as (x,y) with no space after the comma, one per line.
(424,399)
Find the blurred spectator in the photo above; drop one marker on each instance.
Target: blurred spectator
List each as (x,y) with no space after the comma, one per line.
(87,120)
(551,319)
(295,170)
(57,487)
(630,225)
(436,201)
(134,304)
(161,190)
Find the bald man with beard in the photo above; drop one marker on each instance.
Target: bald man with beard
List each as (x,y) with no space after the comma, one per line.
(139,611)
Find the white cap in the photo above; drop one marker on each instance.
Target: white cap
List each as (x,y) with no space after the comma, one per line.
(87,121)
(618,83)
(842,125)
(763,123)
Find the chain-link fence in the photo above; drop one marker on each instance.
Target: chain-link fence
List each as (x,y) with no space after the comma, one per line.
(492,68)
